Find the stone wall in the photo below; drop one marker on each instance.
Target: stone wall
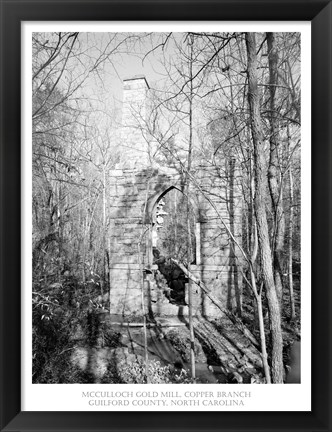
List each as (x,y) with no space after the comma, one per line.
(131,192)
(134,195)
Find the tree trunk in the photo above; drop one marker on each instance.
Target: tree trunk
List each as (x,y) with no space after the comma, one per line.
(260,315)
(103,279)
(189,251)
(274,169)
(260,211)
(290,238)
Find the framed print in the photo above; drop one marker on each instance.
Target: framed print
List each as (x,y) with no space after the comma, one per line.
(165,215)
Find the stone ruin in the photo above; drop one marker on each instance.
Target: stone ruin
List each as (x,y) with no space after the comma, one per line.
(137,188)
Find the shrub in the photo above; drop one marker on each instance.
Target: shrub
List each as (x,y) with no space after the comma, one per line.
(135,373)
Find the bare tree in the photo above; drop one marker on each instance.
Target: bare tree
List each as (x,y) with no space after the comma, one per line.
(260,212)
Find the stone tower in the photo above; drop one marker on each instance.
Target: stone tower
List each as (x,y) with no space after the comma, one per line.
(134,145)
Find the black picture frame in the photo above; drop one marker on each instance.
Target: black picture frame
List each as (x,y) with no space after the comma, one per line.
(13,12)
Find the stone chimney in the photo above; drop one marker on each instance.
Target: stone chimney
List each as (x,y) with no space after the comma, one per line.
(134,147)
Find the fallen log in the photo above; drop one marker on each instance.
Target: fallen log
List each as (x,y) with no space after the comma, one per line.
(235,320)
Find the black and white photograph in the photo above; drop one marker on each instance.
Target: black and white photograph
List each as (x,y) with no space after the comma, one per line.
(166,208)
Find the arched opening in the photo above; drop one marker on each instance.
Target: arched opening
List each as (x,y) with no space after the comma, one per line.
(173,235)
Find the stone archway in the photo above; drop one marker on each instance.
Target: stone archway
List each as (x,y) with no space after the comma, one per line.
(170,233)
